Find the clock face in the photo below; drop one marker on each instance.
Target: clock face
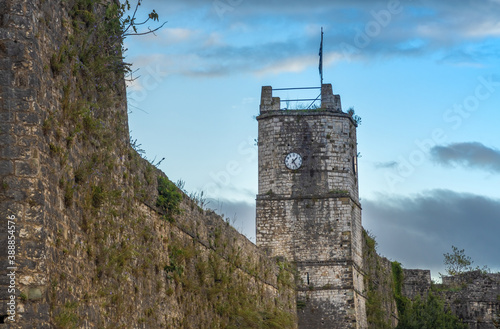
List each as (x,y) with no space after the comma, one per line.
(293,161)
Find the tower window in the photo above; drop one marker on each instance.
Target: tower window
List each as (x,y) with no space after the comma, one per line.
(355,164)
(307,274)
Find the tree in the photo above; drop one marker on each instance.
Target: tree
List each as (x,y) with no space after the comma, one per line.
(457,262)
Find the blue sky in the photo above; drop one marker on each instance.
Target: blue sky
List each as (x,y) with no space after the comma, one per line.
(424,76)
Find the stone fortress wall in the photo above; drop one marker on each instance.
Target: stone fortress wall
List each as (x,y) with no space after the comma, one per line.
(92,248)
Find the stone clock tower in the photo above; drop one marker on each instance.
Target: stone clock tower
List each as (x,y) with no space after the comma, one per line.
(308,210)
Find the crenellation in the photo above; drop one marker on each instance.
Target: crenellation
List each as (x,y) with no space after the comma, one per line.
(416,283)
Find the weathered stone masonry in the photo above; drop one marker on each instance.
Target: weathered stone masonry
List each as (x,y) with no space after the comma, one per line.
(94,252)
(312,215)
(92,249)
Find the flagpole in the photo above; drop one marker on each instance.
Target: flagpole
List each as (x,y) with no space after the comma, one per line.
(321,58)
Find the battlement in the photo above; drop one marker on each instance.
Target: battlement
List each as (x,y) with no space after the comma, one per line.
(416,283)
(329,101)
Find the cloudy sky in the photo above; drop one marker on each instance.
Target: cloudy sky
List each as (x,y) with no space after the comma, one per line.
(423,75)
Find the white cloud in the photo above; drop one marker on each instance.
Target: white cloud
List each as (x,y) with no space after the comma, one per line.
(298,64)
(484,29)
(433,31)
(294,64)
(175,35)
(151,66)
(212,40)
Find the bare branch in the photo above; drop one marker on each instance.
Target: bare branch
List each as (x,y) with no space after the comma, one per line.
(144,33)
(142,22)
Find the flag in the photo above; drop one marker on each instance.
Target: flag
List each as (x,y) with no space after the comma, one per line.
(321,57)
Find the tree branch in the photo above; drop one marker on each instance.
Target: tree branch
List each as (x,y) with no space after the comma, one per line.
(144,33)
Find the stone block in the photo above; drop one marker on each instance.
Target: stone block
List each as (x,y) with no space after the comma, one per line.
(26,264)
(14,49)
(7,116)
(6,78)
(26,141)
(26,168)
(28,118)
(11,151)
(6,167)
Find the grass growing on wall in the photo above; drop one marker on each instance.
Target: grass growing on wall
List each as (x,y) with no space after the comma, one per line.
(222,287)
(114,263)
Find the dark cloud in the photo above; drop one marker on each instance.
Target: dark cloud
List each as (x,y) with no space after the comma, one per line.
(469,155)
(417,230)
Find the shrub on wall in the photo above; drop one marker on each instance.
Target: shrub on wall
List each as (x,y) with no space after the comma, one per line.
(169,198)
(429,313)
(418,314)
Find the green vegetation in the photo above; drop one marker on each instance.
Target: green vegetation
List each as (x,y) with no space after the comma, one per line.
(339,192)
(177,257)
(67,318)
(354,116)
(377,284)
(169,198)
(286,275)
(221,284)
(418,314)
(457,262)
(68,194)
(429,313)
(370,241)
(398,277)
(97,195)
